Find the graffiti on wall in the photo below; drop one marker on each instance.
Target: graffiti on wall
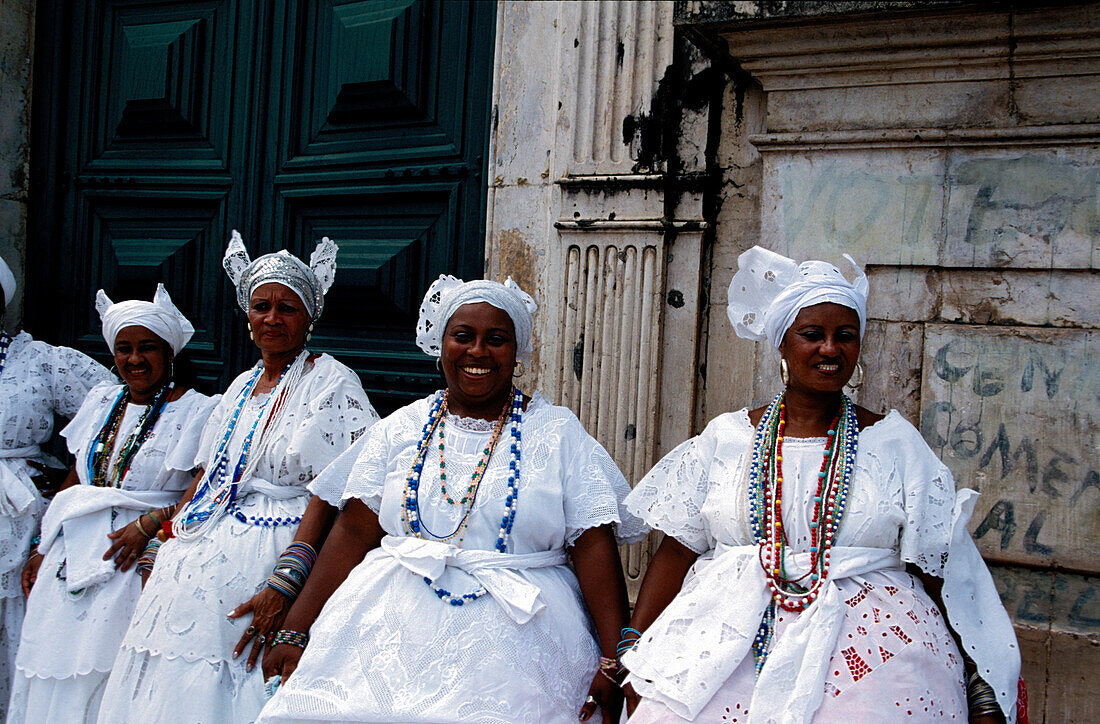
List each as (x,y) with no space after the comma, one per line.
(1014,414)
(939,209)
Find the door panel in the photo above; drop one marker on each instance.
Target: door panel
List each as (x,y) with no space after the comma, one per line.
(161,126)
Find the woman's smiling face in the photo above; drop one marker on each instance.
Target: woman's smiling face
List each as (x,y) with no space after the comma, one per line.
(478,359)
(821,348)
(143,360)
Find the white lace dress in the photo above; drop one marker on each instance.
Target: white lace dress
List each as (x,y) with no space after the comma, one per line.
(38,381)
(72,613)
(873,647)
(176,661)
(387,649)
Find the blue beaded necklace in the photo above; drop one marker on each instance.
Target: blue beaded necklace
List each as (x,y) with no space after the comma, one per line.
(218,489)
(411,510)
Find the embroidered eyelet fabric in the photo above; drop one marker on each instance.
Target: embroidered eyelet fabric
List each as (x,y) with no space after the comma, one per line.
(38,381)
(179,638)
(89,625)
(892,656)
(385,648)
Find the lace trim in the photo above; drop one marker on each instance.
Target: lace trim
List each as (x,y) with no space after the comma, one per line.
(470,424)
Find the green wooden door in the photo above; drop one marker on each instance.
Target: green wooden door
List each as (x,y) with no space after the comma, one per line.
(161,126)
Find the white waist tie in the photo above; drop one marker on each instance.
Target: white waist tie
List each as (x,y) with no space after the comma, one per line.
(16,495)
(724,606)
(495,571)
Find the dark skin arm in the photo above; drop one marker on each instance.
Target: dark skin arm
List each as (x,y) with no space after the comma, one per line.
(600,574)
(184,500)
(663,579)
(269,607)
(355,533)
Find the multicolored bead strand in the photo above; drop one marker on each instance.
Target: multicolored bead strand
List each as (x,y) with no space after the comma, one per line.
(99,452)
(766,511)
(411,510)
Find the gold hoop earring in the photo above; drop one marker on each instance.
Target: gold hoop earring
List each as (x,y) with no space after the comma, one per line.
(439,365)
(784,371)
(518,371)
(859,378)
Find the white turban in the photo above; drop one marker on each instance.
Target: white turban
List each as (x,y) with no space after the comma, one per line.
(7,281)
(310,283)
(769,290)
(447,294)
(159,316)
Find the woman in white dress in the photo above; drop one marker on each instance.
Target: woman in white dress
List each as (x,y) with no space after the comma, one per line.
(446,588)
(807,543)
(135,447)
(213,594)
(37,381)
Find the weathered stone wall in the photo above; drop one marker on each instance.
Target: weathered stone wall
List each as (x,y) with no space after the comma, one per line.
(16,42)
(955,151)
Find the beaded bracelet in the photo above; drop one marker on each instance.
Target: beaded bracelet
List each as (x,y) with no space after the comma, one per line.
(148,556)
(612,669)
(292,570)
(629,640)
(294,638)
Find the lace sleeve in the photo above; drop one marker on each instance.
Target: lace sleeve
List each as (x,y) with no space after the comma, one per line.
(329,486)
(213,426)
(929,495)
(670,497)
(87,420)
(337,414)
(594,491)
(367,477)
(183,443)
(73,375)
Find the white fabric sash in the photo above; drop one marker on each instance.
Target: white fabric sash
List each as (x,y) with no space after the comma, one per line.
(729,601)
(15,495)
(82,514)
(497,572)
(270,490)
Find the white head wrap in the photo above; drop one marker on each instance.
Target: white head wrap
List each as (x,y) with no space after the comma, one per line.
(769,290)
(448,293)
(159,316)
(310,283)
(7,281)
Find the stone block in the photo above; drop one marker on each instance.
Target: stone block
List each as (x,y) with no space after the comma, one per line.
(13,249)
(1055,298)
(903,294)
(16,43)
(1013,412)
(891,357)
(1072,679)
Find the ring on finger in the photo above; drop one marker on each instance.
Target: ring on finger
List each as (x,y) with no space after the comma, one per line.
(250,630)
(261,638)
(590,700)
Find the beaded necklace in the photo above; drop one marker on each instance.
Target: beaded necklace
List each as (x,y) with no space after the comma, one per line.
(219,489)
(766,511)
(5,342)
(411,510)
(482,463)
(99,452)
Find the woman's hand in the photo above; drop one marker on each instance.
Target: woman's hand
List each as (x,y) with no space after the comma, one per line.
(30,571)
(282,660)
(632,699)
(48,479)
(128,544)
(268,609)
(605,694)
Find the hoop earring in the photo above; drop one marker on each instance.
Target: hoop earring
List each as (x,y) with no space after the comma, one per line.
(519,370)
(784,371)
(114,371)
(439,365)
(172,370)
(859,378)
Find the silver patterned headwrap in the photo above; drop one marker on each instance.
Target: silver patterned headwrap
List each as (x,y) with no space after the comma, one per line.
(160,316)
(310,283)
(448,293)
(769,290)
(7,281)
